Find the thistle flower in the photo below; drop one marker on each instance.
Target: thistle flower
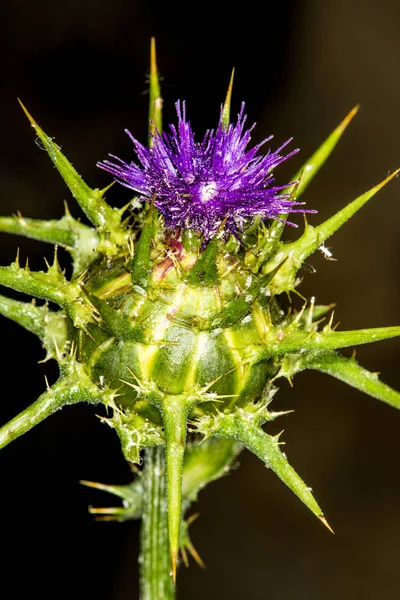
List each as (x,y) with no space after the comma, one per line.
(175,341)
(207,185)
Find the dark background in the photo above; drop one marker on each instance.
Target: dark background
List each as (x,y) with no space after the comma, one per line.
(80,67)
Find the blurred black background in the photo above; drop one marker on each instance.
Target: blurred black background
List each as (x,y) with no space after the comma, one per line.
(80,67)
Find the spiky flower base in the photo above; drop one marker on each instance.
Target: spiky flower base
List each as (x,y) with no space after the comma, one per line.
(175,335)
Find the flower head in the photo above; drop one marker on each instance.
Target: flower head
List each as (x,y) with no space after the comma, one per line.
(206,185)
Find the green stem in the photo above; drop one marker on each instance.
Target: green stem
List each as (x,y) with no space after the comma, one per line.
(155,579)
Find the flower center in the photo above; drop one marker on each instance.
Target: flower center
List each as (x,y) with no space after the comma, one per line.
(208,191)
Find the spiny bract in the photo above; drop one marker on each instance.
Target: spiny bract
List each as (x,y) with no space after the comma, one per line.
(181,329)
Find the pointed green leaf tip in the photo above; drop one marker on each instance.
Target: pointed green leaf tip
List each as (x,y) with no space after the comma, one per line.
(226,109)
(106,219)
(349,371)
(311,167)
(309,170)
(72,387)
(175,411)
(156,102)
(242,426)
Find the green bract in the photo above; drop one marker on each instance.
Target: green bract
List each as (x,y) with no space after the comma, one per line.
(173,337)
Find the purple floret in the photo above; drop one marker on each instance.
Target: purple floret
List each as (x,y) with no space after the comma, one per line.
(210,185)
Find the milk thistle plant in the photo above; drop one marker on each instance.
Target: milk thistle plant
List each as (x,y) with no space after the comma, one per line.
(175,318)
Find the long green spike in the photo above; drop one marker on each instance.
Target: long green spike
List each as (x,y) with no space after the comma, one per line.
(277,344)
(156,102)
(311,167)
(349,371)
(226,109)
(50,286)
(266,447)
(72,387)
(175,414)
(80,240)
(103,216)
(314,237)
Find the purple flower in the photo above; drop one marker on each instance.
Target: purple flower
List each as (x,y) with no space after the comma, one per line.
(209,185)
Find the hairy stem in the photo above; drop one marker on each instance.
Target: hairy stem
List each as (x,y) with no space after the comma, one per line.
(155,580)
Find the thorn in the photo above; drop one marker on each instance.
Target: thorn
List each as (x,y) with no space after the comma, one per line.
(185,557)
(173,562)
(104,190)
(325,522)
(17,258)
(342,126)
(30,118)
(66,209)
(47,383)
(196,556)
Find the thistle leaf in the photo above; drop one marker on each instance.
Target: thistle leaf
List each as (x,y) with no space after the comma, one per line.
(51,286)
(79,240)
(26,314)
(349,371)
(277,343)
(311,167)
(106,219)
(241,427)
(174,413)
(50,327)
(73,386)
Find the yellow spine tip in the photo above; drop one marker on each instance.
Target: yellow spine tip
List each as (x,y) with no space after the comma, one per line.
(30,118)
(153,61)
(347,120)
(173,563)
(325,522)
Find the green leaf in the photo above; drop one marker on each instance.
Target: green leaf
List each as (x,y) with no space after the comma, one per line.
(50,327)
(349,371)
(240,427)
(79,240)
(51,286)
(72,387)
(175,410)
(106,219)
(278,342)
(310,168)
